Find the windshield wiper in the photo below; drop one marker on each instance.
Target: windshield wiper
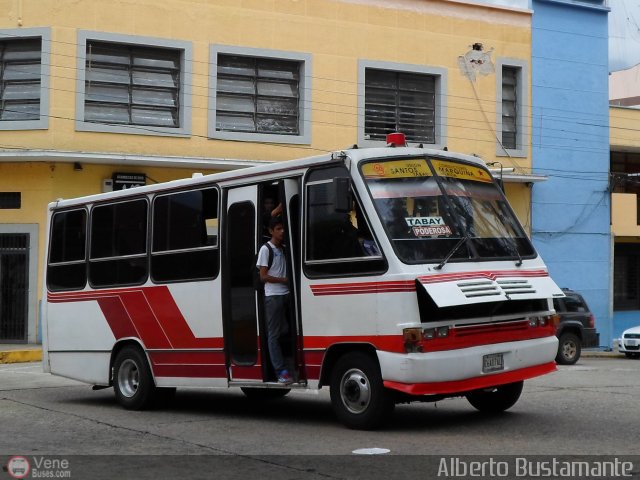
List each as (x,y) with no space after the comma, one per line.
(453,251)
(519,262)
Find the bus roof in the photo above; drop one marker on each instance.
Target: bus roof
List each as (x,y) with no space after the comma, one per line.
(355,155)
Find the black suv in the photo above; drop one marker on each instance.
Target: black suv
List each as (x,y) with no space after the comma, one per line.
(576,327)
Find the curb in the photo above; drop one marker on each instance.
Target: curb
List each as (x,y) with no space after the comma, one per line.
(21,356)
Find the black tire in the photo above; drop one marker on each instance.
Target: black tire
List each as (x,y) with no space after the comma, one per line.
(569,349)
(132,380)
(358,395)
(255,393)
(496,399)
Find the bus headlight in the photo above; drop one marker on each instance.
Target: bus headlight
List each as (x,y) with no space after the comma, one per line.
(442,332)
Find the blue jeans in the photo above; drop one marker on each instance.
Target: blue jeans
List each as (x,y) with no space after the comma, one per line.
(275,307)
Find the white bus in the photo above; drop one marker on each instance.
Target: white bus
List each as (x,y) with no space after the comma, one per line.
(410,278)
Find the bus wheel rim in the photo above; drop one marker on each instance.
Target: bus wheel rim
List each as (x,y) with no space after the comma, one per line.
(355,391)
(128,378)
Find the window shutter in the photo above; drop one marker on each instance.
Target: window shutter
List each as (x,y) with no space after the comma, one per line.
(509,107)
(132,85)
(400,102)
(258,95)
(20,79)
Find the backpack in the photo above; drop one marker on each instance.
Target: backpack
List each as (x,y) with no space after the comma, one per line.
(257,283)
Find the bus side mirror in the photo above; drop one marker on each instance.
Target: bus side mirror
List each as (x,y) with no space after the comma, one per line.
(342,195)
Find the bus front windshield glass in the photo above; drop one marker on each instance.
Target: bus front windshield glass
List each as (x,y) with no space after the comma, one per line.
(435,210)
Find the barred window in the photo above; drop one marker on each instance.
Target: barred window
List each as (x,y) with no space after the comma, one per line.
(400,102)
(132,85)
(510,107)
(20,65)
(258,95)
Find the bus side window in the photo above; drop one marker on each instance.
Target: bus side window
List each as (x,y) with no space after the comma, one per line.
(185,236)
(119,244)
(337,243)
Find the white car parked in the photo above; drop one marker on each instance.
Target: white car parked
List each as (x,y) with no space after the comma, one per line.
(629,343)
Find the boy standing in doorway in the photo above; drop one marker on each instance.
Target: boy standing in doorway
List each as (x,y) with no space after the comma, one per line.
(276,296)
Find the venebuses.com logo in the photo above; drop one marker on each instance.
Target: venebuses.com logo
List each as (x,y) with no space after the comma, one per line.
(19,466)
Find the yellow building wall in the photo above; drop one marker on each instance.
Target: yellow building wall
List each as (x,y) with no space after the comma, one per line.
(336,33)
(624,123)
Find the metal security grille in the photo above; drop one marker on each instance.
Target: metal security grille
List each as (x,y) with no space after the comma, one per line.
(14,286)
(509,107)
(20,79)
(258,95)
(132,85)
(400,102)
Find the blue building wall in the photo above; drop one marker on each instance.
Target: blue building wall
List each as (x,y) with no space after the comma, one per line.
(570,144)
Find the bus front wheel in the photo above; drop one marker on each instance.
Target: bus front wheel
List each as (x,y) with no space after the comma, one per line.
(496,399)
(132,381)
(358,395)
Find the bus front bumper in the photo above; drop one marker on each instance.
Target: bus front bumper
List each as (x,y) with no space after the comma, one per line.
(456,371)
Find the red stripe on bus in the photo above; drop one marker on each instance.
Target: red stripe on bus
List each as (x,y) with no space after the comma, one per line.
(485,381)
(457,338)
(190,371)
(173,322)
(490,275)
(144,319)
(388,343)
(409,285)
(188,364)
(359,288)
(250,372)
(112,307)
(180,357)
(150,314)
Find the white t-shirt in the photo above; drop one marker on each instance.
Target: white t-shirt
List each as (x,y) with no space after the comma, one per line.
(278,269)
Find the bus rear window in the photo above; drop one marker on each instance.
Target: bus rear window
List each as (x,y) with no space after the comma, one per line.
(67,268)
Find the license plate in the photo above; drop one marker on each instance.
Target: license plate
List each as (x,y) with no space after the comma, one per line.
(492,363)
(631,343)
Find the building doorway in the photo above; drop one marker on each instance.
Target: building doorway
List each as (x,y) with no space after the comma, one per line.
(14,286)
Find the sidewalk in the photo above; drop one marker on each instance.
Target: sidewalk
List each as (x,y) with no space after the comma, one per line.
(597,352)
(20,352)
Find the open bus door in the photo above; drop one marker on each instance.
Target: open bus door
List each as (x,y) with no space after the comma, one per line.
(244,324)
(290,191)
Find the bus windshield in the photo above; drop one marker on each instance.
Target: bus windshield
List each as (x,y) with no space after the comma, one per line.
(435,210)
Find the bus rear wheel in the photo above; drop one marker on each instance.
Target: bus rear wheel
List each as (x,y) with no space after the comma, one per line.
(132,380)
(358,395)
(496,399)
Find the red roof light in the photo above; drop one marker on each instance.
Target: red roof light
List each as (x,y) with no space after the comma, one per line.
(397,139)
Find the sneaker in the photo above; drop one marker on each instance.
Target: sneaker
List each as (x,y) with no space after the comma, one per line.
(284,378)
